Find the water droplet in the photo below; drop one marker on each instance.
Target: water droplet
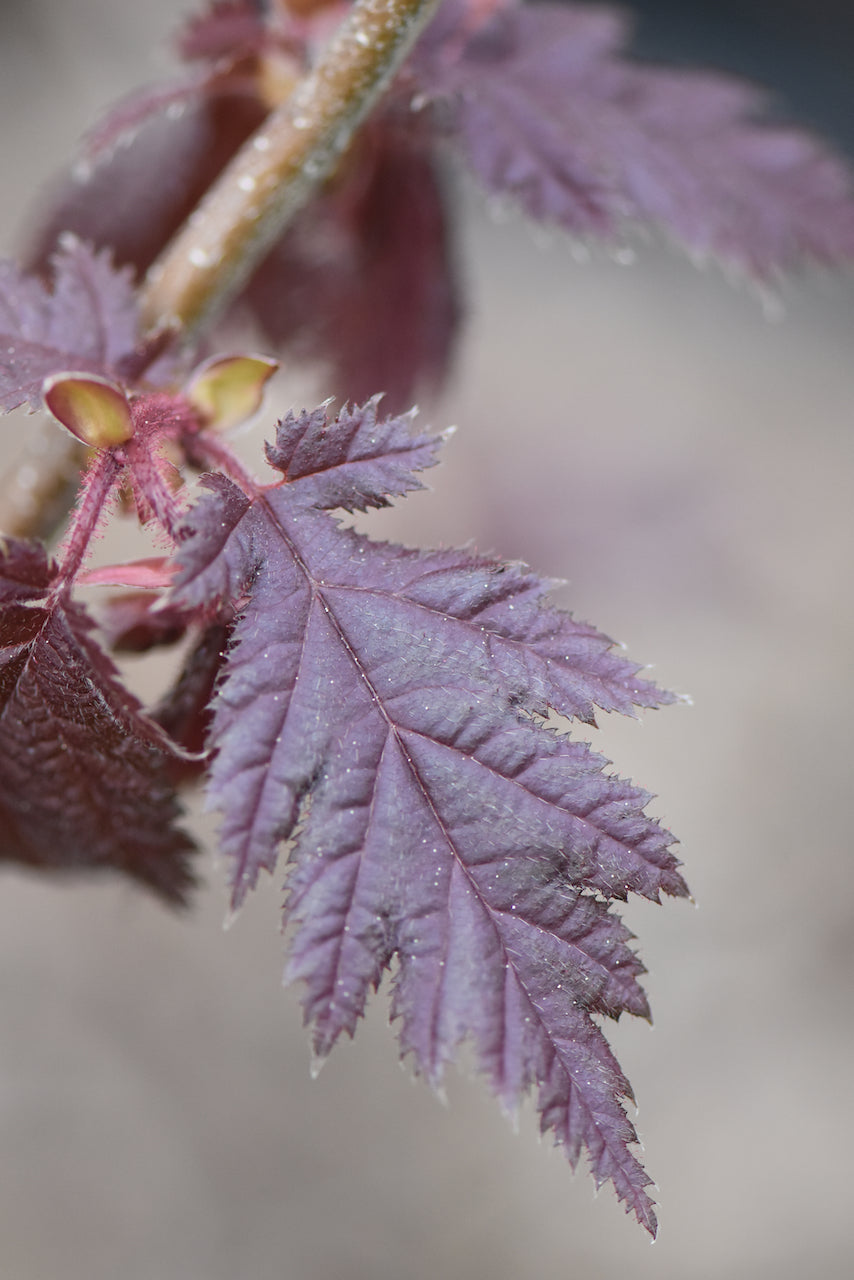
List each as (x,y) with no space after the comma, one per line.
(543,237)
(500,209)
(362,38)
(199,257)
(773,306)
(175,110)
(261,143)
(301,122)
(246,182)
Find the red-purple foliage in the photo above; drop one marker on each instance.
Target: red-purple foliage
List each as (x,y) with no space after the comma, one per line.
(363,281)
(549,111)
(377,707)
(83,771)
(87,322)
(377,712)
(539,100)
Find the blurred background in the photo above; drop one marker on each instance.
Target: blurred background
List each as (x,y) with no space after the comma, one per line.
(649,434)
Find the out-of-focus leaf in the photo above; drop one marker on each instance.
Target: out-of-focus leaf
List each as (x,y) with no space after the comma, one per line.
(87,322)
(550,112)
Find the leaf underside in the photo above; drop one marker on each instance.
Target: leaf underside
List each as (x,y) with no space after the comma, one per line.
(550,112)
(376,710)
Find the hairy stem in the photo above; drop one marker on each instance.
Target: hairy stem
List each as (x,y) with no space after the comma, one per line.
(208,450)
(95,493)
(275,172)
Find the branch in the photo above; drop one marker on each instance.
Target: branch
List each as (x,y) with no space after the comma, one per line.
(245,211)
(275,172)
(38,491)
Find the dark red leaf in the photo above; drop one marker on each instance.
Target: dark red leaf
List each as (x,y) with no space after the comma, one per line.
(132,622)
(363,282)
(83,771)
(185,713)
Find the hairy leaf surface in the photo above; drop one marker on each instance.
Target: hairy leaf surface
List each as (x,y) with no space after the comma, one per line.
(377,709)
(83,772)
(87,322)
(551,113)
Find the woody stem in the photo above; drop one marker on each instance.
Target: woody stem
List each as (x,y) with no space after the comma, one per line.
(244,212)
(276,170)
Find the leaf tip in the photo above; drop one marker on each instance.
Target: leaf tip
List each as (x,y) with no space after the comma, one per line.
(318,1062)
(230,918)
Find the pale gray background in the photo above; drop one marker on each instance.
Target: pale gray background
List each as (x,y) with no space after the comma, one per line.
(649,435)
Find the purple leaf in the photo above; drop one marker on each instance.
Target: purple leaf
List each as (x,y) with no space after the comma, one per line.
(224,28)
(375,709)
(86,323)
(185,712)
(363,281)
(83,772)
(374,241)
(118,129)
(118,198)
(132,622)
(115,193)
(360,463)
(549,112)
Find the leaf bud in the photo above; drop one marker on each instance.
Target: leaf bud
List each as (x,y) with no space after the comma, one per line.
(91,408)
(227,390)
